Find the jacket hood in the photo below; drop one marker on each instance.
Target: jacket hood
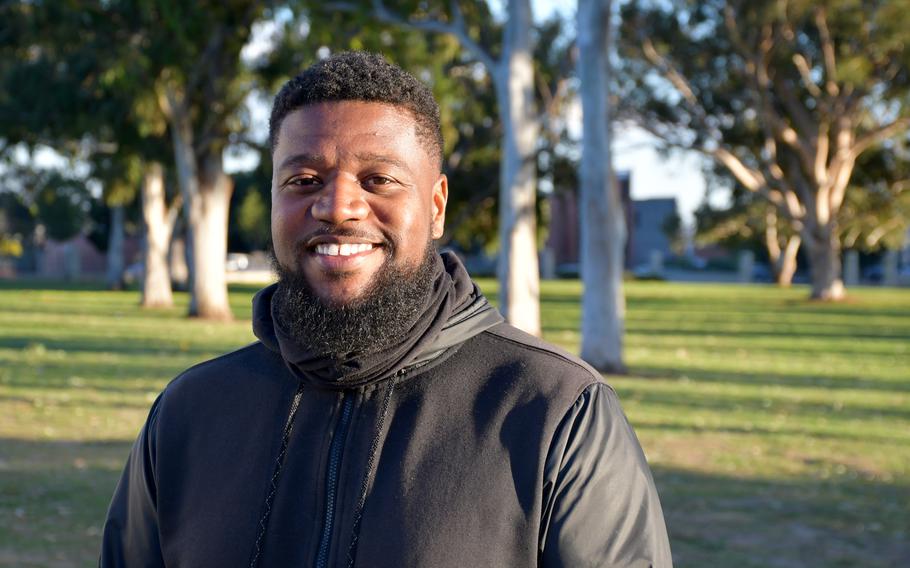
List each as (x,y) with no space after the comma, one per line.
(457,311)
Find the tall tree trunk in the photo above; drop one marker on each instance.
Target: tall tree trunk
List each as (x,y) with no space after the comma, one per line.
(518,271)
(114,277)
(602,220)
(823,247)
(206,194)
(159,223)
(208,225)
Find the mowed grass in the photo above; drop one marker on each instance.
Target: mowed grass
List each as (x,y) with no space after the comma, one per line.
(778,429)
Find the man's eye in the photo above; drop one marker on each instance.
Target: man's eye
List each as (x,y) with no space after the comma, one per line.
(378,180)
(303,181)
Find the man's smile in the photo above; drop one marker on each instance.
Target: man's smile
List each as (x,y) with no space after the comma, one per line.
(341,253)
(343,249)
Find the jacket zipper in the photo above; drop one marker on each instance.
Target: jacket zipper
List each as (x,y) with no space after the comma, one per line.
(332,481)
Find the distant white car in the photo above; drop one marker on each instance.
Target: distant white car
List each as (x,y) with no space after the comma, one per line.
(236,261)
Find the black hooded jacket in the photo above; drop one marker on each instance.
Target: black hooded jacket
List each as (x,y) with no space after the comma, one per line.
(483,447)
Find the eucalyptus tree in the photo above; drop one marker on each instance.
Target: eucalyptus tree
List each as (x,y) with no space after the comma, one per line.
(786,95)
(200,86)
(603,233)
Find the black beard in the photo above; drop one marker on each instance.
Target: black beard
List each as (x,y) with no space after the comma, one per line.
(381,317)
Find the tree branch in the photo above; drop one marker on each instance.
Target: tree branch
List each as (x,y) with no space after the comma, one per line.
(882,230)
(682,86)
(880,134)
(802,65)
(670,73)
(758,73)
(822,146)
(752,179)
(821,21)
(456,27)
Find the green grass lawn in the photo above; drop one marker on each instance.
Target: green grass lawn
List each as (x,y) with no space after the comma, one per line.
(778,429)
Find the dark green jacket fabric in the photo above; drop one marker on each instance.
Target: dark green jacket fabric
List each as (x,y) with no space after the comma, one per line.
(499,450)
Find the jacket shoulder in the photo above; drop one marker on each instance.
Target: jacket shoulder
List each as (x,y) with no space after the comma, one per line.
(251,367)
(549,360)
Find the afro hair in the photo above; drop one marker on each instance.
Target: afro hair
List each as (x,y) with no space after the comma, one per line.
(361,76)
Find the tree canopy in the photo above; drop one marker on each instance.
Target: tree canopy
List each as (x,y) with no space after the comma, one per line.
(786,95)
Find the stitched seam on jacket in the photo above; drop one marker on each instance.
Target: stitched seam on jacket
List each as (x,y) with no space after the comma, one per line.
(597,379)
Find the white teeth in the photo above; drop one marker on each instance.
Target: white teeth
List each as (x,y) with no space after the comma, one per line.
(345,249)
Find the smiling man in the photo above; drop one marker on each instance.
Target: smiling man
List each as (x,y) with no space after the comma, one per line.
(386,416)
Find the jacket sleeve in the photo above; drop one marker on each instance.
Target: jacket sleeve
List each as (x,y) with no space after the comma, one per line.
(131,530)
(600,505)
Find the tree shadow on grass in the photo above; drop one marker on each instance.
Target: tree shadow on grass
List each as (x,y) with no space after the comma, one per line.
(679,299)
(51,284)
(101,375)
(721,402)
(719,521)
(766,378)
(800,331)
(803,334)
(145,346)
(66,404)
(663,425)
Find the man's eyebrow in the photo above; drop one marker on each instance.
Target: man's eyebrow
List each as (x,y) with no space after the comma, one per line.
(306,159)
(382,158)
(300,160)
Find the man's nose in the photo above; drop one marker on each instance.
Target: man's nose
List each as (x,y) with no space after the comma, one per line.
(341,200)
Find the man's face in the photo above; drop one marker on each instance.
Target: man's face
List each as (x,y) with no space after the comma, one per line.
(353,191)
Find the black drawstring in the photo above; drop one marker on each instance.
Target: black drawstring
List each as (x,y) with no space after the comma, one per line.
(364,487)
(273,484)
(368,475)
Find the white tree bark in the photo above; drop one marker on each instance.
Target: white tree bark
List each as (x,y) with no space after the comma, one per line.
(159,223)
(603,231)
(115,264)
(206,194)
(208,224)
(518,270)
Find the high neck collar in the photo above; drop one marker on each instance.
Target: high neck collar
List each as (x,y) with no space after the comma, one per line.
(454,311)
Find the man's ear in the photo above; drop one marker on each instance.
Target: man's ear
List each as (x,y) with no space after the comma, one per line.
(440,197)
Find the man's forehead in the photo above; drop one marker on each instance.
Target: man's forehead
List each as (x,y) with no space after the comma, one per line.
(367,131)
(358,114)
